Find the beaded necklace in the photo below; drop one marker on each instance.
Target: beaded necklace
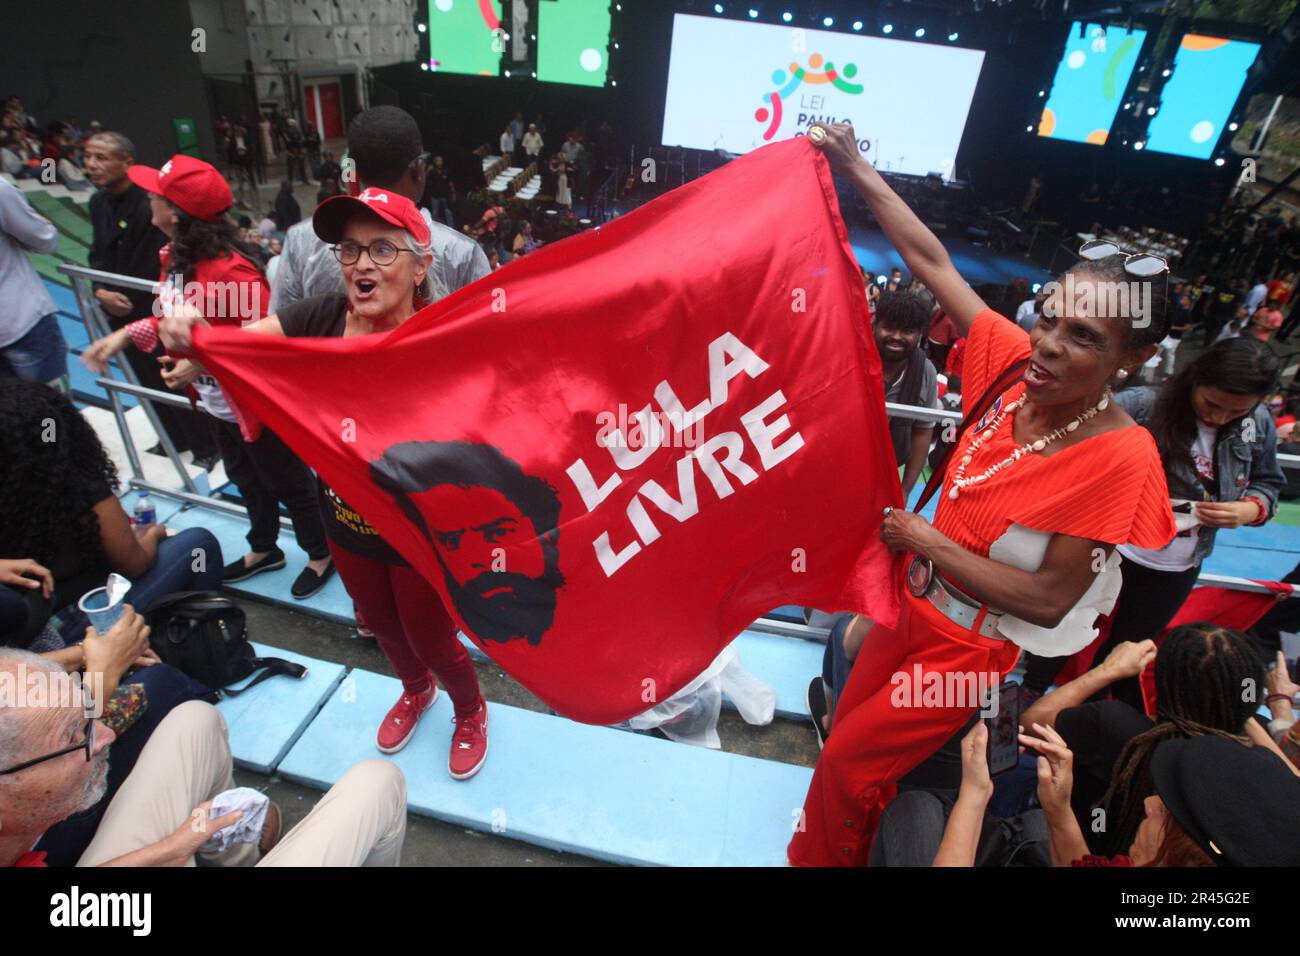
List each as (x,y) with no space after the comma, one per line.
(959,479)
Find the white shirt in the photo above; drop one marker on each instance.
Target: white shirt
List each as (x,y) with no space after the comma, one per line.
(1255,296)
(532,143)
(507,143)
(1180,553)
(1026,318)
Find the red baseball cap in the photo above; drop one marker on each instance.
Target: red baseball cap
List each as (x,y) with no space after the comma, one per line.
(333,214)
(189,184)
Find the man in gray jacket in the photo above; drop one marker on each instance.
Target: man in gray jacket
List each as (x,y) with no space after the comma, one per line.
(386,151)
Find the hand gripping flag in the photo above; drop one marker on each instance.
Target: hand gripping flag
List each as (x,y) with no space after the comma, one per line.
(612,455)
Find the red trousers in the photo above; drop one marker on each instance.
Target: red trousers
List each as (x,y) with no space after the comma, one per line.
(412,626)
(884,725)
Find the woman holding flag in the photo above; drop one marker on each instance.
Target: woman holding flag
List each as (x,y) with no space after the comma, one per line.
(1052,476)
(383,245)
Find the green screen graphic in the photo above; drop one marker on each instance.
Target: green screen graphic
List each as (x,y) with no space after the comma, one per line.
(463,36)
(573,41)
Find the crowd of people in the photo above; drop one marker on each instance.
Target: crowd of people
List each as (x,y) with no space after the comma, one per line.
(1112,483)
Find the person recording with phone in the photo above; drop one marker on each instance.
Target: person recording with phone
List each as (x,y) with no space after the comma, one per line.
(1050,479)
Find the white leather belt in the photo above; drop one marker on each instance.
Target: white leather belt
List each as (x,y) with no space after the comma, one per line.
(942,595)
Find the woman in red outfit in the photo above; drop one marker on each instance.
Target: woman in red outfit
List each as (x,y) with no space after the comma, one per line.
(383,245)
(1037,496)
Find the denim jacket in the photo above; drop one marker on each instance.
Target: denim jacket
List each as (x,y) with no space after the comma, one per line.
(1241,467)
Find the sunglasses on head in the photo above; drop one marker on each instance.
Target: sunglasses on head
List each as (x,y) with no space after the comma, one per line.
(1144,265)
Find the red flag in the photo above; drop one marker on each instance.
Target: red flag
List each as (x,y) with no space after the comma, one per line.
(719,330)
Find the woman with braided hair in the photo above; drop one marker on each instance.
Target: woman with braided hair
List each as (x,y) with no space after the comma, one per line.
(1204,676)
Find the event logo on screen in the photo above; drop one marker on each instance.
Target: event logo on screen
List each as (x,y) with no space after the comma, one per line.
(736,86)
(788,84)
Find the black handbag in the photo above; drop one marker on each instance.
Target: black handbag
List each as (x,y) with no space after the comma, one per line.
(203,634)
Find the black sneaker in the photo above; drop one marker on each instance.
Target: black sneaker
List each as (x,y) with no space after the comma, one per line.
(309,582)
(817,707)
(237,571)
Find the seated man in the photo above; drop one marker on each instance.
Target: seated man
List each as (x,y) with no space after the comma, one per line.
(54,763)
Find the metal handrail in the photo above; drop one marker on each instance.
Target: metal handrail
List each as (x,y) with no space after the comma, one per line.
(191,495)
(97,326)
(937,415)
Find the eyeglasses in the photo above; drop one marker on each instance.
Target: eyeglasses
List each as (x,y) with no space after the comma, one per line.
(1140,264)
(381,252)
(88,745)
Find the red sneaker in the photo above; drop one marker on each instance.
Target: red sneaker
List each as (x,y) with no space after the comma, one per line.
(469,744)
(399,723)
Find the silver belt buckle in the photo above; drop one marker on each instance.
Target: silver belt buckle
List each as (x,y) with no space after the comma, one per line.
(920,576)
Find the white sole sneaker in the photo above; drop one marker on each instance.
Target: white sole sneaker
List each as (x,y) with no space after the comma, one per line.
(407,739)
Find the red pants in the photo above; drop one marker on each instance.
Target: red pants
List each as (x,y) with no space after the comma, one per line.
(879,734)
(413,628)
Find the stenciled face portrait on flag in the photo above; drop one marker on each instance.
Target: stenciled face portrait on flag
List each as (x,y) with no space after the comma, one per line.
(476,506)
(612,455)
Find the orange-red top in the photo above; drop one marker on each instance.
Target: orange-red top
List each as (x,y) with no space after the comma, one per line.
(1108,488)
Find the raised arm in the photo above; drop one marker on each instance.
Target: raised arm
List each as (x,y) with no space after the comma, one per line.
(925,256)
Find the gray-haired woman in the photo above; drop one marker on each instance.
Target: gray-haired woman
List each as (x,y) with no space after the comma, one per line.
(383,245)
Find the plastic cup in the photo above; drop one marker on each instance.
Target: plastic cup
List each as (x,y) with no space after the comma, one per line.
(102,614)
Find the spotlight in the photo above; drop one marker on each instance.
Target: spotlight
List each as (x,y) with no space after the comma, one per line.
(717,8)
(421,27)
(952,37)
(753,14)
(1042,93)
(857,24)
(828,21)
(920,32)
(507,72)
(1139,144)
(1029,129)
(887,28)
(424,66)
(787,16)
(1165,72)
(1151,111)
(534,74)
(1232,127)
(1219,161)
(1035,287)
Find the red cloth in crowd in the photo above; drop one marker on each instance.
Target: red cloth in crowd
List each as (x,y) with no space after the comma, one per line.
(31,858)
(631,564)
